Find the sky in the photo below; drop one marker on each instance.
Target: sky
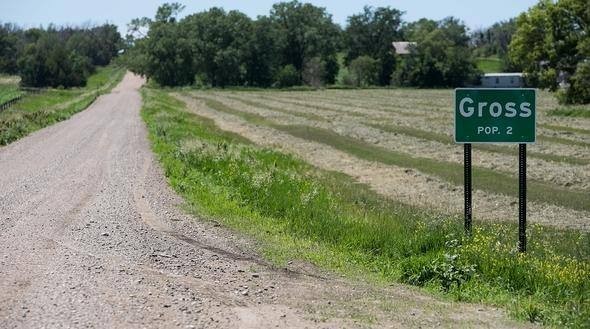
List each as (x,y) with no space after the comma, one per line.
(33,13)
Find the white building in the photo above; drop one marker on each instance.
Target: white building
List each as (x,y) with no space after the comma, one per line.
(403,47)
(502,80)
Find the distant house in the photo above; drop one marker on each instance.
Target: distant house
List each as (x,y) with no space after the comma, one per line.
(502,80)
(403,47)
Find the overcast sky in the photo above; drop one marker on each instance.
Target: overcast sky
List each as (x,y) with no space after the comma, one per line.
(33,13)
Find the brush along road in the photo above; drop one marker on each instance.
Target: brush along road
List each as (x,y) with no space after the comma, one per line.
(91,236)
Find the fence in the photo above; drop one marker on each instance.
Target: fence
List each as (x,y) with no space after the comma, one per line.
(9,103)
(26,90)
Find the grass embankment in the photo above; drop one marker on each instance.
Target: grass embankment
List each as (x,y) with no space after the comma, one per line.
(299,212)
(487,179)
(36,111)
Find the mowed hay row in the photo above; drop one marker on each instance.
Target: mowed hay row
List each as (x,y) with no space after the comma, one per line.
(438,104)
(382,174)
(571,174)
(550,141)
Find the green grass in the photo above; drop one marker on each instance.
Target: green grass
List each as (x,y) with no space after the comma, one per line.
(36,111)
(9,92)
(487,179)
(489,64)
(571,111)
(297,211)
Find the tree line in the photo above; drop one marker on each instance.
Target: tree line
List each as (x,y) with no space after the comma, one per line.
(56,57)
(297,43)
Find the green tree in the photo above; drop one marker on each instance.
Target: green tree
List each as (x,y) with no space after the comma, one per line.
(365,70)
(169,56)
(441,57)
(578,91)
(165,54)
(48,62)
(288,76)
(305,31)
(371,33)
(494,41)
(262,54)
(8,49)
(219,41)
(551,40)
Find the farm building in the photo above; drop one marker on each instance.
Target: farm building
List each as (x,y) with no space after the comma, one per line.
(502,80)
(403,47)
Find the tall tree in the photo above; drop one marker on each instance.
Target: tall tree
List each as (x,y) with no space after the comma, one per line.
(494,41)
(219,40)
(305,31)
(371,33)
(262,54)
(48,62)
(551,40)
(441,57)
(8,49)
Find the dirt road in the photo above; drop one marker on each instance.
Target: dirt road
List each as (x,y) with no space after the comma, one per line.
(91,236)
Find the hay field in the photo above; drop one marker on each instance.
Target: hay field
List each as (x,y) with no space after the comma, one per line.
(400,143)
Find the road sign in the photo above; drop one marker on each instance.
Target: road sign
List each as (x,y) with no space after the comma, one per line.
(495,115)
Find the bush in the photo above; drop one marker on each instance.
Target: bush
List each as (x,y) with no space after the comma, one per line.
(579,90)
(48,63)
(287,77)
(364,70)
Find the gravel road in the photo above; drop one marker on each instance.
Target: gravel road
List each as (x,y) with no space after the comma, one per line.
(92,237)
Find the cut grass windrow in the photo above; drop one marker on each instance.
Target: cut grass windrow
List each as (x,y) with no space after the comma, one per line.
(310,116)
(566,129)
(485,179)
(441,138)
(298,212)
(544,156)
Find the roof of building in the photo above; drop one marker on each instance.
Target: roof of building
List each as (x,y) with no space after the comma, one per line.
(507,74)
(403,47)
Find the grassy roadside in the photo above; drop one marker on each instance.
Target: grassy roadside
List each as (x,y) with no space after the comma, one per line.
(299,212)
(36,111)
(487,179)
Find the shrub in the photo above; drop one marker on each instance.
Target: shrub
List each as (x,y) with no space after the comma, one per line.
(365,71)
(287,77)
(579,90)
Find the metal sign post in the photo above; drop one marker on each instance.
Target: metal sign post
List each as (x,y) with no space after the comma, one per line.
(522,197)
(467,189)
(496,115)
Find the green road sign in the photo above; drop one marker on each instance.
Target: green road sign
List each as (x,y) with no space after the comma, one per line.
(495,115)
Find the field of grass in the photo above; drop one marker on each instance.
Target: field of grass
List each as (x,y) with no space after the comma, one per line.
(298,211)
(489,64)
(9,92)
(36,111)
